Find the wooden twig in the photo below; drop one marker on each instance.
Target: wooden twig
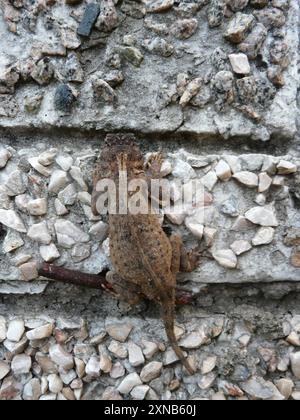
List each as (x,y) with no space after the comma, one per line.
(64,275)
(94,281)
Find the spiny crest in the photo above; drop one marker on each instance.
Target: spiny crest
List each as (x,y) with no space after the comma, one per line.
(116,144)
(119,140)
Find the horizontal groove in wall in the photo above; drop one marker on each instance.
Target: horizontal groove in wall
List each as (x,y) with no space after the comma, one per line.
(170,141)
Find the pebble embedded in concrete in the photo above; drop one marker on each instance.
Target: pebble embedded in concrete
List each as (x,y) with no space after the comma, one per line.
(39,232)
(263,216)
(285,167)
(90,16)
(21,364)
(119,332)
(29,271)
(5,155)
(264,236)
(129,382)
(15,331)
(240,63)
(240,247)
(135,354)
(61,357)
(151,371)
(39,333)
(226,258)
(246,178)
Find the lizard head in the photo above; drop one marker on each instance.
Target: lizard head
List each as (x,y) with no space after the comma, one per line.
(120,153)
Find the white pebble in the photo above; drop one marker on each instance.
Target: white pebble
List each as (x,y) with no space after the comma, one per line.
(208,364)
(239,63)
(10,219)
(39,232)
(29,271)
(15,331)
(68,234)
(285,167)
(139,392)
(60,208)
(118,349)
(295,362)
(149,349)
(285,387)
(76,174)
(5,155)
(12,241)
(61,357)
(58,181)
(49,253)
(265,181)
(4,370)
(55,383)
(223,170)
(209,180)
(263,216)
(264,236)
(129,382)
(38,207)
(47,158)
(2,329)
(34,162)
(249,179)
(65,162)
(135,353)
(68,195)
(39,333)
(240,247)
(21,364)
(196,229)
(193,340)
(16,183)
(226,258)
(151,371)
(32,390)
(119,332)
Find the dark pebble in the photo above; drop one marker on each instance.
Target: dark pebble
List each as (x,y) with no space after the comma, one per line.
(63,98)
(90,16)
(241,373)
(24,165)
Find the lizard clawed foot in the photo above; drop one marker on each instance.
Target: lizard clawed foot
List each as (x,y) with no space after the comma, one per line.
(190,259)
(155,158)
(193,258)
(121,289)
(154,163)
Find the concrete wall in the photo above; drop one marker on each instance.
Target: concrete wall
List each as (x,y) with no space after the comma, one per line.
(213,85)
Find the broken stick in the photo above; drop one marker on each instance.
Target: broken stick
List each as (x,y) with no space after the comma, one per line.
(94,281)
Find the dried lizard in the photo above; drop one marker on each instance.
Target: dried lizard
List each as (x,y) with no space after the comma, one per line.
(144,259)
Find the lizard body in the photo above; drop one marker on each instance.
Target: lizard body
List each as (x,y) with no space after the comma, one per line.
(144,259)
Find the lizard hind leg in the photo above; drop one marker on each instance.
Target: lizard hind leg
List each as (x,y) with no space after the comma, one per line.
(183,260)
(189,259)
(123,290)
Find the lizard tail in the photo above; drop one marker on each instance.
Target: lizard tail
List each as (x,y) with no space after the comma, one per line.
(168,319)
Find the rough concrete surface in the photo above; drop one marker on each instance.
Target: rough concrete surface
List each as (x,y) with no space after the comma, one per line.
(171,72)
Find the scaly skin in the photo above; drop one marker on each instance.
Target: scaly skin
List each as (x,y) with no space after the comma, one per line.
(144,259)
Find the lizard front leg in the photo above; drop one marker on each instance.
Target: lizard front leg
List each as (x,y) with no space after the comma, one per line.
(153,166)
